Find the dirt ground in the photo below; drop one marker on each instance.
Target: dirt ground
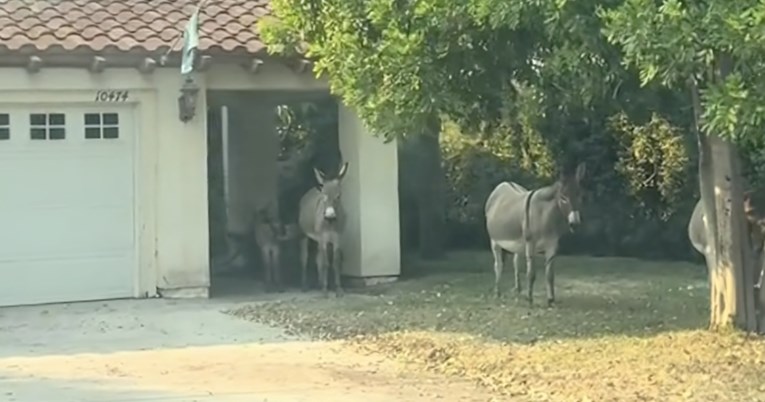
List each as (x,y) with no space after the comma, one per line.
(622,330)
(155,350)
(300,371)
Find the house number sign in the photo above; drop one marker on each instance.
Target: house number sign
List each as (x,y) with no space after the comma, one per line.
(111,96)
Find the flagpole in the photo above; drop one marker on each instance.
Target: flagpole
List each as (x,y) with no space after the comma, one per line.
(190,44)
(178,38)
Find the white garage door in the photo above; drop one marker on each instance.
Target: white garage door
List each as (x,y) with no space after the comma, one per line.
(66,204)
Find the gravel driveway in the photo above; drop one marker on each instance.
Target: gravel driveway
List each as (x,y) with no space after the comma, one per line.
(161,350)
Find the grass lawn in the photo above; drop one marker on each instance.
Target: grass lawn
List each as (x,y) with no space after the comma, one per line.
(623,330)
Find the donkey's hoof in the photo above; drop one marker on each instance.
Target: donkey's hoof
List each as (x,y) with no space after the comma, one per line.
(550,303)
(339,293)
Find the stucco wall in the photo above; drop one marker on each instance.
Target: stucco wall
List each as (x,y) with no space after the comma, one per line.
(370,194)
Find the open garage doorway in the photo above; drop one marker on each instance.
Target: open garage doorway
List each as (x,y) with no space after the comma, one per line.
(262,147)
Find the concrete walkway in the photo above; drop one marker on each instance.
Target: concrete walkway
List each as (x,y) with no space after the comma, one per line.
(160,350)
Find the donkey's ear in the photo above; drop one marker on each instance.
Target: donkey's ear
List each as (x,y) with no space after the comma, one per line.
(580,171)
(343,170)
(319,176)
(749,202)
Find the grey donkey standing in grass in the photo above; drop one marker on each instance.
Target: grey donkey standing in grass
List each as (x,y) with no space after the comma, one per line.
(322,220)
(526,222)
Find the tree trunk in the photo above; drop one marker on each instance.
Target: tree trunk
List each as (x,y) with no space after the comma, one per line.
(731,286)
(760,302)
(430,192)
(706,184)
(729,257)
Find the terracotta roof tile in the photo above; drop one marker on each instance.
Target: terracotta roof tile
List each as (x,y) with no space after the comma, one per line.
(128,25)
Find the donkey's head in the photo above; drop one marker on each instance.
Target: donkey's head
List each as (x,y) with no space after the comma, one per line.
(755,216)
(268,215)
(331,192)
(752,209)
(264,214)
(570,195)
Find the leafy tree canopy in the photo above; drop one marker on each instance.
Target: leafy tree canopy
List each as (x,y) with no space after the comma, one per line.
(385,60)
(719,44)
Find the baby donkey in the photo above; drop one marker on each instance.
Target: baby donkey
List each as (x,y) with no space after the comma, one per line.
(269,234)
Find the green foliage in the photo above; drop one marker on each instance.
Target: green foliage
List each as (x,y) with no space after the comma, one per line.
(515,149)
(529,88)
(654,161)
(719,44)
(628,210)
(474,165)
(754,167)
(293,128)
(385,60)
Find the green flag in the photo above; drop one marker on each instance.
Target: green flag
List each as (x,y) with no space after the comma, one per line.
(190,43)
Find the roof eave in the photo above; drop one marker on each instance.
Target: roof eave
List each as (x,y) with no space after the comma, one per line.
(82,57)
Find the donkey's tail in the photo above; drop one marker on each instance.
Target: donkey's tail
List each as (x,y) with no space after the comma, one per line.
(526,229)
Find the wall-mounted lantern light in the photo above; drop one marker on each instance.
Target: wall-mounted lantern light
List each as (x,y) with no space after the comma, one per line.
(187,102)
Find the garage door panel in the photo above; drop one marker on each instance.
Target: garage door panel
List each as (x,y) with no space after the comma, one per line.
(67,212)
(35,282)
(66,231)
(62,182)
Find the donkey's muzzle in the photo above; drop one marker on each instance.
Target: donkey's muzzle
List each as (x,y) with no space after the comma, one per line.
(573,220)
(330,213)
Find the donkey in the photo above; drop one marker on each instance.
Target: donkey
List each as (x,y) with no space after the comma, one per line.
(522,221)
(755,222)
(322,220)
(269,233)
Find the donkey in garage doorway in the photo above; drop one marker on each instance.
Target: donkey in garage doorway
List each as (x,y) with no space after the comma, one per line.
(531,222)
(322,220)
(269,235)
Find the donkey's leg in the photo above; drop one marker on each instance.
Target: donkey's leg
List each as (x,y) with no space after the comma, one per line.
(276,267)
(304,262)
(337,264)
(321,266)
(517,269)
(267,270)
(530,273)
(550,254)
(497,251)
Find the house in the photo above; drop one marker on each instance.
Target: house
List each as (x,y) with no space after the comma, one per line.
(103,148)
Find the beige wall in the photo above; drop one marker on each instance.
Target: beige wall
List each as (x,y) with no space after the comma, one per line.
(370,194)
